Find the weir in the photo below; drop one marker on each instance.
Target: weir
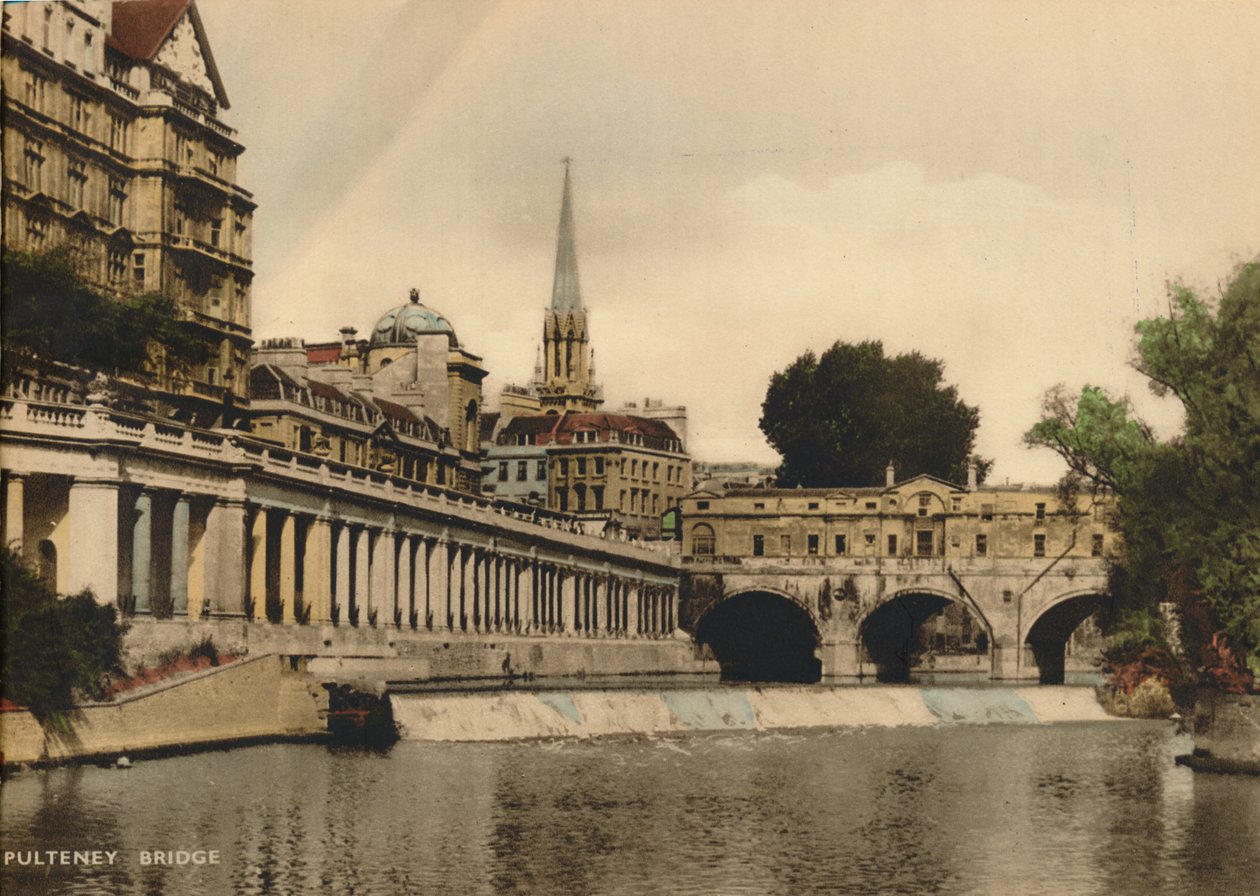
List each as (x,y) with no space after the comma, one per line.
(525,715)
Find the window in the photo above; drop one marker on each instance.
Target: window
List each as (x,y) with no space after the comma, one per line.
(785,545)
(580,491)
(80,115)
(181,148)
(702,505)
(759,505)
(581,466)
(955,504)
(982,545)
(89,58)
(986,512)
(869,538)
(1096,548)
(759,545)
(117,133)
(48,14)
(923,543)
(634,468)
(656,471)
(137,270)
(503,471)
(892,545)
(541,472)
(840,545)
(117,201)
(813,505)
(598,492)
(811,544)
(36,231)
(564,467)
(117,265)
(1039,545)
(599,466)
(213,163)
(702,540)
(1041,512)
(33,167)
(522,471)
(35,91)
(871,505)
(925,501)
(76,183)
(216,231)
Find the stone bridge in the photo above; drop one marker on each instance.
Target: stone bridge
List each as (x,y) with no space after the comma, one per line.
(793,584)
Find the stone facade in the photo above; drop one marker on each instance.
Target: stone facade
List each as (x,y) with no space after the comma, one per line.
(114,149)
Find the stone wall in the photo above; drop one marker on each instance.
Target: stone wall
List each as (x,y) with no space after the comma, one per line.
(1226,732)
(252,699)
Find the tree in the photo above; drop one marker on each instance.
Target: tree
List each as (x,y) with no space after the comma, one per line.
(1188,508)
(839,419)
(53,647)
(50,314)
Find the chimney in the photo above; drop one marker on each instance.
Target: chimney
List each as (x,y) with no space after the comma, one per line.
(890,475)
(971,474)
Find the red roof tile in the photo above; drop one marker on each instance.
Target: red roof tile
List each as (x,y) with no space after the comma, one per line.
(140,26)
(323,355)
(396,411)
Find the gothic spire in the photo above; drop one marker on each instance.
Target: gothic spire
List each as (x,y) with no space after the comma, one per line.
(566,295)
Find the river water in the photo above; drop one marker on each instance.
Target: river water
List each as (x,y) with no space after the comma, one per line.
(1089,808)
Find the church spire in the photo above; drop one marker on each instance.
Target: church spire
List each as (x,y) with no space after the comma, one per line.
(566,294)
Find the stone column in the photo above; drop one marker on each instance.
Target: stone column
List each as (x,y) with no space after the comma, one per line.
(341,584)
(317,583)
(468,594)
(568,597)
(179,556)
(436,585)
(15,513)
(384,578)
(362,549)
(225,558)
(529,600)
(93,543)
(288,567)
(142,551)
(405,605)
(634,609)
(454,585)
(258,563)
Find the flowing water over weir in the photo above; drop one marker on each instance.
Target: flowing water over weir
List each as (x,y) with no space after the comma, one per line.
(522,715)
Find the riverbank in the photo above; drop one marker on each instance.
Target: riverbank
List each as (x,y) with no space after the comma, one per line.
(1226,733)
(559,713)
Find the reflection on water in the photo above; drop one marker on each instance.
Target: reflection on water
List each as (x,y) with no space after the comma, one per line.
(1068,809)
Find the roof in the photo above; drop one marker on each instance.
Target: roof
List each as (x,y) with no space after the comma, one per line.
(140,27)
(323,354)
(548,428)
(396,411)
(489,420)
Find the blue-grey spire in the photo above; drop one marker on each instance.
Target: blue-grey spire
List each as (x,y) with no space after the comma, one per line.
(566,294)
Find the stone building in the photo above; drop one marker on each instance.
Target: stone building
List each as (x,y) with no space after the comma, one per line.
(620,469)
(405,401)
(114,149)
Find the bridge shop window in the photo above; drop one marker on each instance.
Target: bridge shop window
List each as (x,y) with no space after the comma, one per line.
(1096,548)
(522,470)
(1039,545)
(702,540)
(923,543)
(759,545)
(955,504)
(702,505)
(871,505)
(541,472)
(982,545)
(840,544)
(892,545)
(813,505)
(811,544)
(503,471)
(1041,512)
(925,501)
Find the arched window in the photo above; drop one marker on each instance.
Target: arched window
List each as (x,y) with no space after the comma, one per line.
(470,427)
(702,540)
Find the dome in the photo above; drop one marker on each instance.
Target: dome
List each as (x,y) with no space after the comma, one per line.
(401,325)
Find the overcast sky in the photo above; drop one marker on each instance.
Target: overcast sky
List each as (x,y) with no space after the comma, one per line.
(1006,186)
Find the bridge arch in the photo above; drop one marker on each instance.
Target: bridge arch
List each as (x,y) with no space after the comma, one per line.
(762,634)
(891,636)
(1047,633)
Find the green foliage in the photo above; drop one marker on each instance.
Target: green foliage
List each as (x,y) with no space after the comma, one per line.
(1188,508)
(839,419)
(54,647)
(50,314)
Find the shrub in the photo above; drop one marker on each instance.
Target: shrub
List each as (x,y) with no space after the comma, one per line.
(55,648)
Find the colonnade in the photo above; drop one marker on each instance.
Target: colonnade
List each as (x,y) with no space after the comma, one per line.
(316,569)
(166,551)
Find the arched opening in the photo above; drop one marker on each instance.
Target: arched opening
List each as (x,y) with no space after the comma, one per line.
(703,540)
(759,636)
(924,632)
(1063,633)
